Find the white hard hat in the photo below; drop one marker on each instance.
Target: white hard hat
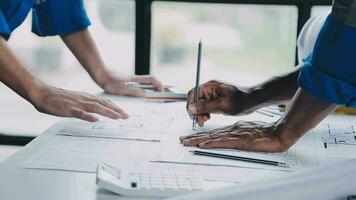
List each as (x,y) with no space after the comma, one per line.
(308,36)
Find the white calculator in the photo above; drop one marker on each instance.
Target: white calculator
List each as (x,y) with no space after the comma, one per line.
(143,184)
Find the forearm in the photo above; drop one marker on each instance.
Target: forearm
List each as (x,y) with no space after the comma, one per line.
(15,76)
(52,100)
(84,49)
(277,89)
(305,112)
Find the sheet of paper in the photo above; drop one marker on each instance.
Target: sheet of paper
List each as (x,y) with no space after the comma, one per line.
(81,150)
(83,154)
(144,123)
(80,146)
(304,154)
(339,141)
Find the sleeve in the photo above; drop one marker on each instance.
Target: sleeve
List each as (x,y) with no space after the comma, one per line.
(330,71)
(59,17)
(4,29)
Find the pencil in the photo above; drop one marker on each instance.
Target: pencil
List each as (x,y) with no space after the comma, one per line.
(197,80)
(239,158)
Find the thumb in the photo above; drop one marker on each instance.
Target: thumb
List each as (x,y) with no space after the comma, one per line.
(203,107)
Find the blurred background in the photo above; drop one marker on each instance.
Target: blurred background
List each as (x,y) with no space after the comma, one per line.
(242,44)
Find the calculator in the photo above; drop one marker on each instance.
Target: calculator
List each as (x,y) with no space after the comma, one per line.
(147,184)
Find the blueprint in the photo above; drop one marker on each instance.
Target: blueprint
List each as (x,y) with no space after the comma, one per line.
(149,139)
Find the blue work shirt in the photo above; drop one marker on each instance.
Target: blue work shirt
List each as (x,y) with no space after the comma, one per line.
(49,17)
(329,73)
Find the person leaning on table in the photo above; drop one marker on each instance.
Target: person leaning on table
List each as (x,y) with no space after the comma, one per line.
(68,19)
(326,79)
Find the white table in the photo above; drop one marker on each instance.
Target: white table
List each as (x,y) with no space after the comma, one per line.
(18,184)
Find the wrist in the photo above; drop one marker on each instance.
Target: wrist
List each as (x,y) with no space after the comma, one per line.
(252,99)
(287,134)
(259,96)
(100,76)
(36,92)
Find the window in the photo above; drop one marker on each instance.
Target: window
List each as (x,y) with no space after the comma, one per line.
(241,43)
(112,28)
(319,10)
(113,24)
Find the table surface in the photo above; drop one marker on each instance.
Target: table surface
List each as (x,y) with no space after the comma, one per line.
(18,183)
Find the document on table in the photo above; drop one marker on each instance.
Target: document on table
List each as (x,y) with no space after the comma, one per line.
(307,152)
(80,146)
(75,148)
(83,154)
(339,141)
(145,124)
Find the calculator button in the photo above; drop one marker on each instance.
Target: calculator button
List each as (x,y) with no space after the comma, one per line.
(144,184)
(133,184)
(170,182)
(184,186)
(170,186)
(170,189)
(156,185)
(197,186)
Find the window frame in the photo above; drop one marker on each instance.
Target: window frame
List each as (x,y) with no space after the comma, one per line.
(144,23)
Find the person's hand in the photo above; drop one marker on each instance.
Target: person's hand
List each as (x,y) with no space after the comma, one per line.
(115,84)
(249,136)
(64,103)
(217,97)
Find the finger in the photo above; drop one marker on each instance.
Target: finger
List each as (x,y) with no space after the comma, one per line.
(195,141)
(193,135)
(190,100)
(225,142)
(148,79)
(204,107)
(81,114)
(112,106)
(259,145)
(101,110)
(204,88)
(204,117)
(201,119)
(226,129)
(134,92)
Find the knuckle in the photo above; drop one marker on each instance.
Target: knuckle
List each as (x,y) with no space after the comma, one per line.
(104,102)
(201,107)
(77,113)
(87,106)
(93,106)
(109,101)
(154,79)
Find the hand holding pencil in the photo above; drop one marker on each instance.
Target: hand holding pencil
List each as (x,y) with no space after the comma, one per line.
(217,97)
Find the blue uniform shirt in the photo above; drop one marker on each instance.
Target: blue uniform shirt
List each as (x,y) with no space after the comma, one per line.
(330,71)
(49,17)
